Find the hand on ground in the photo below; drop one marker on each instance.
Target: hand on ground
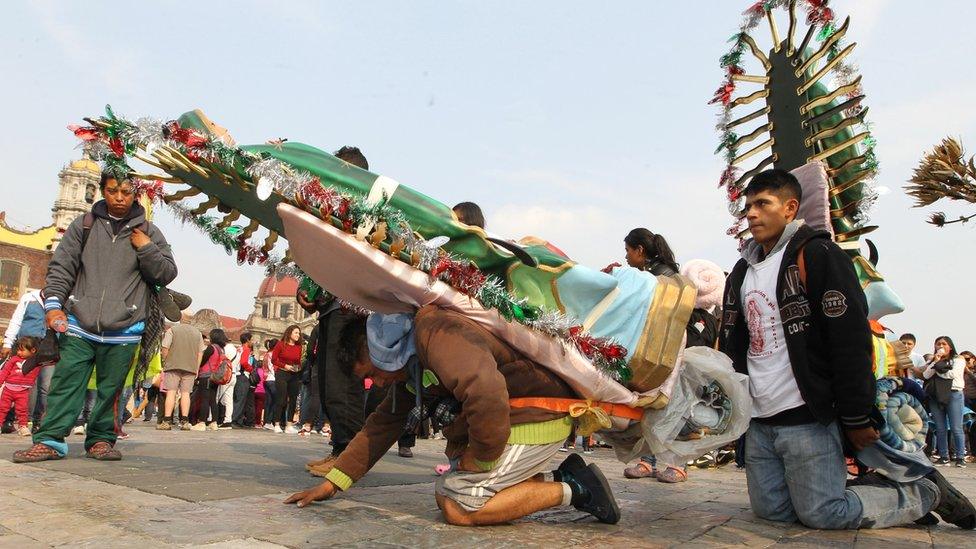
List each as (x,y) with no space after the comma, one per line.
(321,492)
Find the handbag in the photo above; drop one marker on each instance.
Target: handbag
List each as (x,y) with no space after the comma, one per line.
(48,353)
(939,389)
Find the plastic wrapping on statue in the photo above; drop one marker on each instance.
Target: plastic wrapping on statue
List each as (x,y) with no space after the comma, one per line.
(709,407)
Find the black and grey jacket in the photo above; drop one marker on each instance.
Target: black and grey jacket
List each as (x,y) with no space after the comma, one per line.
(102,281)
(824,321)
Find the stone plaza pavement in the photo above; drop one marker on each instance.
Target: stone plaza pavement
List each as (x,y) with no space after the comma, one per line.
(224,489)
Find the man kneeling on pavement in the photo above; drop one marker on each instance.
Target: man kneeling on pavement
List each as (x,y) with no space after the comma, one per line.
(499,454)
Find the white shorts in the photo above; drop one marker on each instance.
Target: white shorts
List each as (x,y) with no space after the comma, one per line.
(519,462)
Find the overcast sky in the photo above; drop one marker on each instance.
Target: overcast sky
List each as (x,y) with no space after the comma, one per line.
(562,119)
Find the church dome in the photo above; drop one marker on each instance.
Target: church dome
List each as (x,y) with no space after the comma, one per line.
(86,165)
(272,287)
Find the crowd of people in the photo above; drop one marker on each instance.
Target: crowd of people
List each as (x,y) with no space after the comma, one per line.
(791,314)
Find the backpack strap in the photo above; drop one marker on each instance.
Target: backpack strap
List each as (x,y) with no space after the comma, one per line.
(86,226)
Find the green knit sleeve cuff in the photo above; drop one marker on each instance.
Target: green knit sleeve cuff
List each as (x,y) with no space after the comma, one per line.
(340,479)
(485,465)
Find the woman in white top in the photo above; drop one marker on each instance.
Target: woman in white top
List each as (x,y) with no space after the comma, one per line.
(947,367)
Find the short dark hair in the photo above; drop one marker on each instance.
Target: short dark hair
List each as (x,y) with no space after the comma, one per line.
(470,213)
(270,344)
(245,337)
(108,175)
(27,343)
(779,182)
(218,337)
(353,156)
(910,337)
(351,341)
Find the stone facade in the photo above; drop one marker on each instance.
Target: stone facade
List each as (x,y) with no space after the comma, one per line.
(275,309)
(77,191)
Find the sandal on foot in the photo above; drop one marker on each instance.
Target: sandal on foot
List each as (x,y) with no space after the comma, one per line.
(672,475)
(37,452)
(103,451)
(641,470)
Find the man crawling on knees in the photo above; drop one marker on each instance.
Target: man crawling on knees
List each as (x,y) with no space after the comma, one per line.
(465,377)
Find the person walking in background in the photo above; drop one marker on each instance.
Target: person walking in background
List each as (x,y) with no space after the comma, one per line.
(340,392)
(260,392)
(15,385)
(182,353)
(100,288)
(969,399)
(269,385)
(945,382)
(287,360)
(243,388)
(651,253)
(28,320)
(204,396)
(909,341)
(226,392)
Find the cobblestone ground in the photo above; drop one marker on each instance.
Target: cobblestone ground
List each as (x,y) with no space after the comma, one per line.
(224,489)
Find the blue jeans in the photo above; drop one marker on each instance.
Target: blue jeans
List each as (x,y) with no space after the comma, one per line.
(42,386)
(949,418)
(798,473)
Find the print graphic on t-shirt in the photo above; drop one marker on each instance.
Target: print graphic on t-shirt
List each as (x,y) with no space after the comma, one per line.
(761,316)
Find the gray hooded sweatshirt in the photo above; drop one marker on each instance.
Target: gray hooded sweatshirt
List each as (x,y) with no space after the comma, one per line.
(103,285)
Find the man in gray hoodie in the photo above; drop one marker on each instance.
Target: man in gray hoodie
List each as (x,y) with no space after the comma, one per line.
(97,290)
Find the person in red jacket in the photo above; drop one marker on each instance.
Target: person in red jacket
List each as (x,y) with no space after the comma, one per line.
(15,385)
(287,360)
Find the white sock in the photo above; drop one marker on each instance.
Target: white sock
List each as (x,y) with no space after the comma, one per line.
(567,494)
(547,477)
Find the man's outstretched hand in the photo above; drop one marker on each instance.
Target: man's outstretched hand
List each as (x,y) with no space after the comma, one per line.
(862,438)
(321,492)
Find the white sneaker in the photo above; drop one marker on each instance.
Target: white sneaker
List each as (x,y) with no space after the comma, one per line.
(291,430)
(79,430)
(277,429)
(269,426)
(199,426)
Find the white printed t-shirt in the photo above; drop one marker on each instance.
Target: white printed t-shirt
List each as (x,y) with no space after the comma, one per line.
(771,382)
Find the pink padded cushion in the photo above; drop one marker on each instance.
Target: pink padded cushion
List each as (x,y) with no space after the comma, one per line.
(359,273)
(814,208)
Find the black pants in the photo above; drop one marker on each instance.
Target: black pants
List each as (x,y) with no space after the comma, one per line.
(203,401)
(241,389)
(151,394)
(374,396)
(341,392)
(287,385)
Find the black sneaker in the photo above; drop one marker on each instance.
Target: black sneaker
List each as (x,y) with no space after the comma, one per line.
(942,462)
(952,506)
(225,425)
(960,463)
(601,503)
(572,465)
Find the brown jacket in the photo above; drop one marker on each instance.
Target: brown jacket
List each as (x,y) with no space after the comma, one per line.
(476,368)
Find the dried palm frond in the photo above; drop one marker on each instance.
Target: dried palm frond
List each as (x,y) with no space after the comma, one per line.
(944,173)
